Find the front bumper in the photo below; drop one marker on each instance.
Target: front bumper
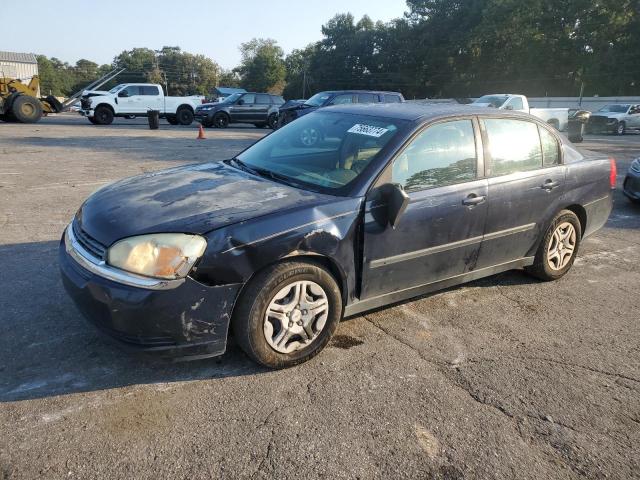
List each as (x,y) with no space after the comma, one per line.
(185,319)
(202,116)
(631,185)
(86,112)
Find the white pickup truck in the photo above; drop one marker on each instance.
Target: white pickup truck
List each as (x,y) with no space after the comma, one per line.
(558,117)
(135,100)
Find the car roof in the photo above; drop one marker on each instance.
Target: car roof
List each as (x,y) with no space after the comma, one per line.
(360,91)
(416,111)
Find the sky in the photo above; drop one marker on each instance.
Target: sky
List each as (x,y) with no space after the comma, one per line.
(98,31)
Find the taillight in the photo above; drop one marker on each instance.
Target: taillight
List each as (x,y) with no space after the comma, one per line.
(613,172)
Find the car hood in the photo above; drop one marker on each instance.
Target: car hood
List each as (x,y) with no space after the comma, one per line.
(192,199)
(292,105)
(95,93)
(617,116)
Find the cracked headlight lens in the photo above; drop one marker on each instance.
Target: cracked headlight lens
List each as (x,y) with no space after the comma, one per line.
(161,255)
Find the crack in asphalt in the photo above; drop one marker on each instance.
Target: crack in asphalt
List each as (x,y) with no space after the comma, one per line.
(576,365)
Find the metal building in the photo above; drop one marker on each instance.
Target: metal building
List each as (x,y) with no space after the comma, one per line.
(18,65)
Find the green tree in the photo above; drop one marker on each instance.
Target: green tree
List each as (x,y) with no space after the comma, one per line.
(262,67)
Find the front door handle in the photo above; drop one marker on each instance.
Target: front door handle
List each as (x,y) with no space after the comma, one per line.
(474,199)
(549,185)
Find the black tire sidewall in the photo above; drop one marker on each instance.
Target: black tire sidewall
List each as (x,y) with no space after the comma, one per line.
(248,321)
(103,116)
(541,268)
(184,116)
(272,121)
(218,121)
(21,100)
(624,128)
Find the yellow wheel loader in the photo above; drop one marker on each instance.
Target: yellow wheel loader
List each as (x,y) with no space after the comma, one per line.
(19,102)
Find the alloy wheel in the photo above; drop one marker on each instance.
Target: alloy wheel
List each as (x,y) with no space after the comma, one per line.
(562,246)
(296,316)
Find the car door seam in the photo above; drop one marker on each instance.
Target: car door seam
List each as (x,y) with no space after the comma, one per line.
(381,262)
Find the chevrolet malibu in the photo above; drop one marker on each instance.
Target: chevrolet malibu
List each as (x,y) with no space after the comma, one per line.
(279,243)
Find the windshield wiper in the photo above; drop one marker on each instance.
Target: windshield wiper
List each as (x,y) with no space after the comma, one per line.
(243,166)
(263,172)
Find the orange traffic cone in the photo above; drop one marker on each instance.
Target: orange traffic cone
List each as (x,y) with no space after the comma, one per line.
(201,133)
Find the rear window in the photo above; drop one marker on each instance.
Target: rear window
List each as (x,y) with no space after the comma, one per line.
(392,98)
(514,146)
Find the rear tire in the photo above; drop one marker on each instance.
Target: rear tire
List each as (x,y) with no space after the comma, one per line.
(184,116)
(26,109)
(558,248)
(254,321)
(103,116)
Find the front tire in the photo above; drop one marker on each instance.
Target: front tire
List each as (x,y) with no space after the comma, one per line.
(26,109)
(273,121)
(621,128)
(559,247)
(221,120)
(92,120)
(287,314)
(172,119)
(103,116)
(184,116)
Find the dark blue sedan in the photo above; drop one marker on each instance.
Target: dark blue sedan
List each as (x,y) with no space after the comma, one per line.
(287,238)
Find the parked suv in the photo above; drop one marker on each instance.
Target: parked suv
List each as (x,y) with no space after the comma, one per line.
(261,109)
(338,97)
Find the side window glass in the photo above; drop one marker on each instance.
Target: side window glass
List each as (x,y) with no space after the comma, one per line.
(367,98)
(341,99)
(133,90)
(391,99)
(249,99)
(514,146)
(516,104)
(263,99)
(550,150)
(442,154)
(150,90)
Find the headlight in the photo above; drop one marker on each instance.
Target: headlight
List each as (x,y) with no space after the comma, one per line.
(161,255)
(635,165)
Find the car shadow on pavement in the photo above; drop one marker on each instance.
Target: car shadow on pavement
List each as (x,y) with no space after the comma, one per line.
(48,349)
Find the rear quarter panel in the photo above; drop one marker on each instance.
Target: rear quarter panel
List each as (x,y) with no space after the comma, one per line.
(587,184)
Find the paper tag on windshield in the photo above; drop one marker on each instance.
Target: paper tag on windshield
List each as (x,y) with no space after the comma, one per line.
(368,130)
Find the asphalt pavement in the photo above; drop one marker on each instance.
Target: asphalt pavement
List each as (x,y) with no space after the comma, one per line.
(505,377)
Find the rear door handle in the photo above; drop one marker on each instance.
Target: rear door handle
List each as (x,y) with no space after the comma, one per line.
(549,185)
(474,199)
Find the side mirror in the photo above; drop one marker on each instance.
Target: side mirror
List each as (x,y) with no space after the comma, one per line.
(397,201)
(509,107)
(123,93)
(241,102)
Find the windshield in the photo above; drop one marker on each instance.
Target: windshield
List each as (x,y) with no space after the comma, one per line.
(493,100)
(324,149)
(231,98)
(615,108)
(116,88)
(318,99)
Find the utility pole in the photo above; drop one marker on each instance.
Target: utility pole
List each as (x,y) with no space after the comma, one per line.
(581,93)
(304,82)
